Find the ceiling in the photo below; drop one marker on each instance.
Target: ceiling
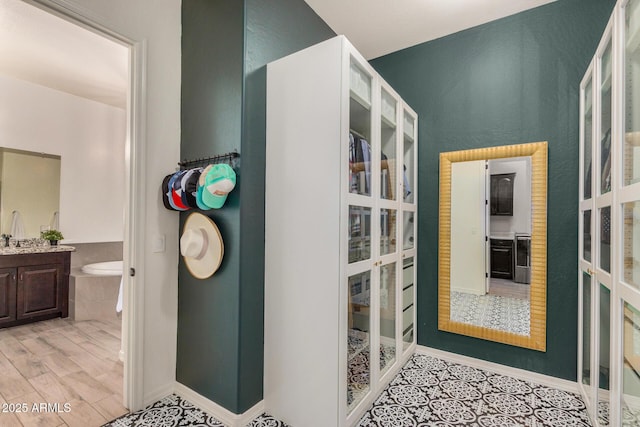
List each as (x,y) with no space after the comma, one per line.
(379,27)
(41,48)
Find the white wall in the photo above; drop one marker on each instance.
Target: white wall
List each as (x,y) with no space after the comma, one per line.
(468,264)
(520,222)
(90,139)
(155,25)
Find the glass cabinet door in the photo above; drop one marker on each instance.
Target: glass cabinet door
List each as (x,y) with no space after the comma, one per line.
(629,212)
(631,149)
(587,128)
(630,396)
(408,181)
(388,144)
(586,250)
(360,131)
(409,132)
(585,327)
(409,219)
(388,288)
(409,230)
(388,231)
(359,233)
(362,236)
(604,356)
(605,121)
(381,200)
(358,338)
(631,243)
(605,162)
(586,153)
(408,292)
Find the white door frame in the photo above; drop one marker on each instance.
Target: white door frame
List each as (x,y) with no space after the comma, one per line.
(487,228)
(134,233)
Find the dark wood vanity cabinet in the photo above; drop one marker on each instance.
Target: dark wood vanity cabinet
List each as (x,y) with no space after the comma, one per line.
(7,296)
(33,287)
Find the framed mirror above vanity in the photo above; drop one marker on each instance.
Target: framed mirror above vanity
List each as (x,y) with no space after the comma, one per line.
(492,270)
(29,188)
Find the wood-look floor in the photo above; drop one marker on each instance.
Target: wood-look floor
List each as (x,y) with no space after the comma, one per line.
(48,364)
(509,289)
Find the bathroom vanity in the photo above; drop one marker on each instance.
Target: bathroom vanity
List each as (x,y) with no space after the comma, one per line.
(34,284)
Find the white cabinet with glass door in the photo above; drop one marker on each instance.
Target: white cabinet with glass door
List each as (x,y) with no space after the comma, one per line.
(595,236)
(340,219)
(609,218)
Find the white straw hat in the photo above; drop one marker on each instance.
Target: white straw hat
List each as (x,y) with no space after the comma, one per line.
(201,246)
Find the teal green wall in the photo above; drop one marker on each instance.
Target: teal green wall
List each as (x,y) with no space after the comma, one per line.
(225,47)
(208,347)
(510,81)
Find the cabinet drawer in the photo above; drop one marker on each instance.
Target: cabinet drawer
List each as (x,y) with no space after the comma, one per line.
(407,317)
(407,297)
(407,276)
(408,334)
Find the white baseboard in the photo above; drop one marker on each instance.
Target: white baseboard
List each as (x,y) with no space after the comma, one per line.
(157,394)
(221,414)
(522,374)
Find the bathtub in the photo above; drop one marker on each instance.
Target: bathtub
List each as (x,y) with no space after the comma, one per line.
(109,268)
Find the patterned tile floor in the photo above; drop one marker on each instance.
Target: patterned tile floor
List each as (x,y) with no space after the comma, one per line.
(432,392)
(490,311)
(427,392)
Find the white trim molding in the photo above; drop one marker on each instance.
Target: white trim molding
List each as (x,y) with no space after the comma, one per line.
(522,374)
(223,415)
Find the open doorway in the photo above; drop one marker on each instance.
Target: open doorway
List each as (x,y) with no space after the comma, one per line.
(82,360)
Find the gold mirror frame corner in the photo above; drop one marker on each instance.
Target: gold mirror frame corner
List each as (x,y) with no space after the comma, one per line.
(537,338)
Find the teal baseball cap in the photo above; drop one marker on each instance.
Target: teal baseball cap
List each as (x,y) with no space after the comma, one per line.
(218,182)
(199,200)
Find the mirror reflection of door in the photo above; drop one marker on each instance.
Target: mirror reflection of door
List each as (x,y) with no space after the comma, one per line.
(490,243)
(468,231)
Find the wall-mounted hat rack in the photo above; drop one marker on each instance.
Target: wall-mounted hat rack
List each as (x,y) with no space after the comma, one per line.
(203,161)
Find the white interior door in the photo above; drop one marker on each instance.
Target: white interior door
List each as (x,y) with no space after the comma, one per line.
(468,238)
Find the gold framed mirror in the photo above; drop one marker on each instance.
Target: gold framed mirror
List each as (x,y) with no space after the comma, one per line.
(492,267)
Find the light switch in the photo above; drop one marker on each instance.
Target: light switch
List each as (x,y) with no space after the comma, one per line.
(157,245)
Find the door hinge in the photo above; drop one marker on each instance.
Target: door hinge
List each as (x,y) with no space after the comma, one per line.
(132,272)
(486,275)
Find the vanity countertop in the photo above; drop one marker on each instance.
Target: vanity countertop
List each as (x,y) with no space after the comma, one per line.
(36,250)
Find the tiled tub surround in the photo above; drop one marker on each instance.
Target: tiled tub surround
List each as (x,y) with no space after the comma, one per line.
(89,253)
(93,297)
